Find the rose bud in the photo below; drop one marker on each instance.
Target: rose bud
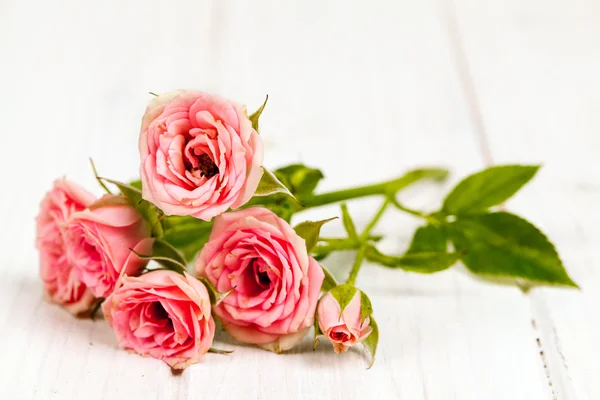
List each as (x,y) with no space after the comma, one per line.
(199,154)
(164,315)
(61,282)
(342,328)
(275,283)
(100,240)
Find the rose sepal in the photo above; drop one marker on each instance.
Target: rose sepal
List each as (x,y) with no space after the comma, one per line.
(133,195)
(216,297)
(256,114)
(269,184)
(310,230)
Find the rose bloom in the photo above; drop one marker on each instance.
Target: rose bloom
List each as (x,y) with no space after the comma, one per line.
(343,329)
(199,154)
(275,283)
(61,282)
(99,240)
(164,315)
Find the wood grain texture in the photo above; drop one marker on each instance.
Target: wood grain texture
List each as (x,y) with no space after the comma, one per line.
(532,66)
(386,85)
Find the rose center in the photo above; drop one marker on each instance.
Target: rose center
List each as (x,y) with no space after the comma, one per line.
(160,313)
(206,166)
(260,275)
(263,278)
(339,336)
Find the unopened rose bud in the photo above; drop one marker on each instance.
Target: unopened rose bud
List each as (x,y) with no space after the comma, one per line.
(343,328)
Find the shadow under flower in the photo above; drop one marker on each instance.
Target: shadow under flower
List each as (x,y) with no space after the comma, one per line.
(304,349)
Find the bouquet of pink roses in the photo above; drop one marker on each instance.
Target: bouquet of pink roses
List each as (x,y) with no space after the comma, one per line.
(205,199)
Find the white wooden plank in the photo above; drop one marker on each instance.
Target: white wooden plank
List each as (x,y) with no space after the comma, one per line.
(534,66)
(433,347)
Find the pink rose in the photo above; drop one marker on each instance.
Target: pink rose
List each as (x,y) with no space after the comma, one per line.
(199,154)
(61,282)
(99,240)
(343,329)
(164,315)
(276,284)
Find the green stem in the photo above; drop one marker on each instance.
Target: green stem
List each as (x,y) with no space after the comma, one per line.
(338,245)
(428,217)
(335,244)
(98,178)
(330,240)
(375,219)
(357,264)
(360,256)
(375,256)
(388,188)
(409,210)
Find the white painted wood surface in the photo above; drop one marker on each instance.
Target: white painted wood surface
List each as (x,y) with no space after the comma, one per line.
(364,90)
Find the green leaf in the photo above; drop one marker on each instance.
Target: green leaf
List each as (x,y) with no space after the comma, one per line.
(167,262)
(320,256)
(348,223)
(343,294)
(176,221)
(423,262)
(269,184)
(215,296)
(329,282)
(147,209)
(256,114)
(428,238)
(487,188)
(136,184)
(133,194)
(309,231)
(371,341)
(187,234)
(301,180)
(168,256)
(366,309)
(503,244)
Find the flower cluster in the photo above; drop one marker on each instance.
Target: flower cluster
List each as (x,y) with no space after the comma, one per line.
(200,157)
(205,237)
